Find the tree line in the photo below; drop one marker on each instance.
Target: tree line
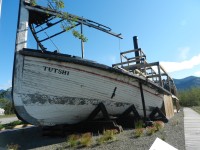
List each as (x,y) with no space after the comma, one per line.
(189,97)
(6,105)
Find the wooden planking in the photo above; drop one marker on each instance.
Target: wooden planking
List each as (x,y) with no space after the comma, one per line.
(168,105)
(192,129)
(82,82)
(102,86)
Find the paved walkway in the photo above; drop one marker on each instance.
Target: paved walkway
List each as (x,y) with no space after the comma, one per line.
(8,120)
(192,129)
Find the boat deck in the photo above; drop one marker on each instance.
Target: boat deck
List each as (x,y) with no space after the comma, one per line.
(192,129)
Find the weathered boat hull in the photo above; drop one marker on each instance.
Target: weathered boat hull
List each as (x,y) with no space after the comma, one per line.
(53,89)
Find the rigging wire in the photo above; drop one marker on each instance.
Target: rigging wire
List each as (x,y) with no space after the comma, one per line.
(119,45)
(50,39)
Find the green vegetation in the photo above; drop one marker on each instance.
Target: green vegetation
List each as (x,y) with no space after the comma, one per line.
(139,124)
(138,132)
(190,97)
(33,2)
(86,140)
(11,125)
(196,108)
(7,106)
(73,140)
(108,136)
(59,5)
(158,125)
(150,130)
(13,146)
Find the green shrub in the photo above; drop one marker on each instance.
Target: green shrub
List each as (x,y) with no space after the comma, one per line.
(158,125)
(108,135)
(86,140)
(73,140)
(13,146)
(1,127)
(139,124)
(7,106)
(190,97)
(138,132)
(150,130)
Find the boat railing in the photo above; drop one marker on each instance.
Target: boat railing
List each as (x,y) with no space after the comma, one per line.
(44,20)
(151,71)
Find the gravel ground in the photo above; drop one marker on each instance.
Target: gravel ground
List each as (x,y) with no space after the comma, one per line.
(31,138)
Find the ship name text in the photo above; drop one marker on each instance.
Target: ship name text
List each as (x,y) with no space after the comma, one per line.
(55,70)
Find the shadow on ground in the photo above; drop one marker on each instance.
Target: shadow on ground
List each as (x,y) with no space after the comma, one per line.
(27,138)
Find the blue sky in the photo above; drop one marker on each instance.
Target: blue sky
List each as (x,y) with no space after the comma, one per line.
(168,32)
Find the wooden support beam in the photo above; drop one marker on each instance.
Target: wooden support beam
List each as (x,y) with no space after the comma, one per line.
(143,100)
(129,51)
(159,75)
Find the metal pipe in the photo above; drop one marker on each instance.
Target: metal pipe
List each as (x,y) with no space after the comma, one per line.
(135,43)
(82,43)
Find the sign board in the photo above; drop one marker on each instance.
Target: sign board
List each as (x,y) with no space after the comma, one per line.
(160,144)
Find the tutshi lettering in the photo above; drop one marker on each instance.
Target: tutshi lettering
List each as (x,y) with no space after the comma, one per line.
(55,70)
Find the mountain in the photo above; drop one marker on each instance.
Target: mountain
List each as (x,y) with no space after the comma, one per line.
(187,83)
(6,94)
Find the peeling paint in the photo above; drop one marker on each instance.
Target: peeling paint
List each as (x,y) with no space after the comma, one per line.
(38,99)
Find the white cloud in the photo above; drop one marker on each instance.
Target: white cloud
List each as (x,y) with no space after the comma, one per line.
(197,73)
(184,52)
(178,66)
(6,85)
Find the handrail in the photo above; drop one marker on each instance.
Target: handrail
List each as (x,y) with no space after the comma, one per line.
(71,17)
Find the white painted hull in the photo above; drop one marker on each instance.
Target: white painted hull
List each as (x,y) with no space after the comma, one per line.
(49,92)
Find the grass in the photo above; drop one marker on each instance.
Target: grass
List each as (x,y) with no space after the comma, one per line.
(11,125)
(86,140)
(138,132)
(108,136)
(159,125)
(150,130)
(13,147)
(73,140)
(139,124)
(7,116)
(196,108)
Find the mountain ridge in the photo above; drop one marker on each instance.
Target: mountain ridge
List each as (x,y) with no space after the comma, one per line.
(187,83)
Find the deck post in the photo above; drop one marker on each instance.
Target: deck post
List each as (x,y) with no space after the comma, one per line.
(82,42)
(159,73)
(143,100)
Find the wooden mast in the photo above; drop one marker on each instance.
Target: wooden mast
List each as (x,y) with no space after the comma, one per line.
(22,27)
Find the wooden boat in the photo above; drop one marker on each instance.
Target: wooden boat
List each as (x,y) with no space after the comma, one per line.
(50,88)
